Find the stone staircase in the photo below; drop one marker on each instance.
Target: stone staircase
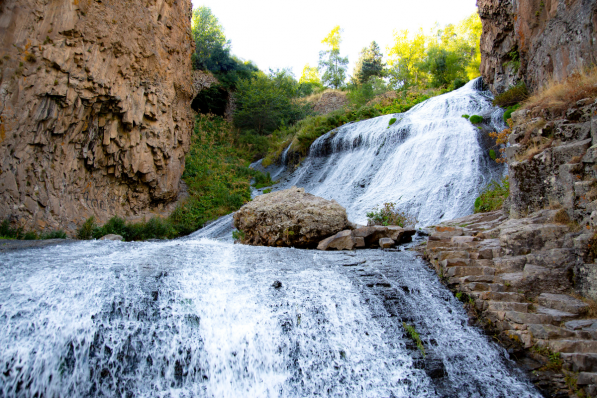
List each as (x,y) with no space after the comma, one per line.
(517,278)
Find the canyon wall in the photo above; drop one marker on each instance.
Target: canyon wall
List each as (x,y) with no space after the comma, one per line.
(535,40)
(95,115)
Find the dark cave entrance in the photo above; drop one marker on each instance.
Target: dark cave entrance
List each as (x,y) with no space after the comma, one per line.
(212,100)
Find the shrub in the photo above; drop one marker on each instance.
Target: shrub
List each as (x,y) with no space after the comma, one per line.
(509,111)
(388,214)
(391,122)
(85,231)
(6,231)
(57,234)
(30,235)
(492,154)
(493,196)
(512,96)
(30,57)
(267,190)
(263,180)
(466,116)
(476,119)
(238,235)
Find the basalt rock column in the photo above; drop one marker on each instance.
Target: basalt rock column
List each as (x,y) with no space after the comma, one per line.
(95,113)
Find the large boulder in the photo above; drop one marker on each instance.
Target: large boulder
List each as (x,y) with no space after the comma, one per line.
(291,218)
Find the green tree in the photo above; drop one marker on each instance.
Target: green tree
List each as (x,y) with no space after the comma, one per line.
(333,65)
(266,102)
(444,66)
(406,53)
(370,64)
(210,42)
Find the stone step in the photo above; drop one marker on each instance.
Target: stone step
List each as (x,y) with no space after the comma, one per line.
(452,254)
(482,263)
(582,324)
(562,302)
(586,378)
(510,264)
(559,316)
(572,346)
(484,287)
(511,279)
(545,332)
(502,296)
(505,306)
(581,362)
(528,318)
(460,271)
(455,262)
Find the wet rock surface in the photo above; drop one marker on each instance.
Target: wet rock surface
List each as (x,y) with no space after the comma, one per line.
(290,218)
(95,114)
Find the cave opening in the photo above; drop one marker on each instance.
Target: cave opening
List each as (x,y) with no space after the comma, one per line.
(212,100)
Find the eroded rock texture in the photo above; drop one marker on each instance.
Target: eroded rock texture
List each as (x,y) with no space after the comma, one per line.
(95,115)
(554,38)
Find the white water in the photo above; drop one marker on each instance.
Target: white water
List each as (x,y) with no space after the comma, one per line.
(431,162)
(200,318)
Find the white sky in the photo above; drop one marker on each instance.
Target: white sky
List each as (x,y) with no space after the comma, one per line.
(279,34)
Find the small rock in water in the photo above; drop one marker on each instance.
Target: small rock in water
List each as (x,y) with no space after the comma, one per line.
(277,284)
(386,243)
(112,237)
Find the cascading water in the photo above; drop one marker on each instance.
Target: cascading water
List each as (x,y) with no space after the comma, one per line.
(431,162)
(200,318)
(196,317)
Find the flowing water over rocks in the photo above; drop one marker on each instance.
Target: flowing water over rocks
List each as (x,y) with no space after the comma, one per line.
(197,317)
(431,162)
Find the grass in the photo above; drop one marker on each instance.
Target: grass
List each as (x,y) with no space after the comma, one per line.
(155,228)
(414,335)
(18,233)
(493,196)
(475,119)
(558,97)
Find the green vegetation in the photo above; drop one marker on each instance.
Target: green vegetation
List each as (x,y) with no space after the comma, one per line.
(269,190)
(18,233)
(492,154)
(391,122)
(412,332)
(493,196)
(509,111)
(466,116)
(155,228)
(388,214)
(475,119)
(512,96)
(238,235)
(330,62)
(369,64)
(263,180)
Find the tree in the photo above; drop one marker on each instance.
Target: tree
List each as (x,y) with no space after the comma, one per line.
(265,102)
(330,61)
(444,66)
(369,64)
(211,45)
(405,55)
(310,75)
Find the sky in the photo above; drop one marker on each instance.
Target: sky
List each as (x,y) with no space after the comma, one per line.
(287,34)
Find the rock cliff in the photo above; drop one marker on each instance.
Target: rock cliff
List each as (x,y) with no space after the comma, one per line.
(95,115)
(534,40)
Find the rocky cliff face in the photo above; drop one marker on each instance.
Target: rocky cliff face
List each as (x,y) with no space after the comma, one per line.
(95,114)
(534,40)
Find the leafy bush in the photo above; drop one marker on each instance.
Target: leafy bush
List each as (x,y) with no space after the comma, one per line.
(512,96)
(493,196)
(238,235)
(509,111)
(476,119)
(8,232)
(388,214)
(466,116)
(56,234)
(85,231)
(392,121)
(263,180)
(267,190)
(492,154)
(30,235)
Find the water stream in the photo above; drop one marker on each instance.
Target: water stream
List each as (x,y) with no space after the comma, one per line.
(200,318)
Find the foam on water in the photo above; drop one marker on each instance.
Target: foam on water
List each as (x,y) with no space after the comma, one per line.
(200,318)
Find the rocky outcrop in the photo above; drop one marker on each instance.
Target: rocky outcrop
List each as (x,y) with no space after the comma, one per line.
(535,40)
(290,218)
(330,101)
(95,114)
(368,237)
(517,278)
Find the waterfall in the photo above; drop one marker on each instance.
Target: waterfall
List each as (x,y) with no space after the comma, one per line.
(431,162)
(200,318)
